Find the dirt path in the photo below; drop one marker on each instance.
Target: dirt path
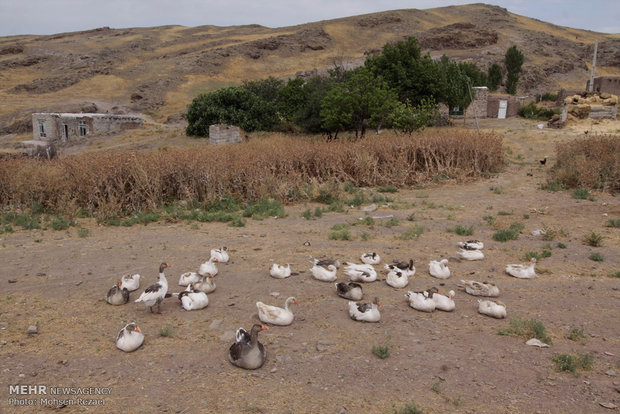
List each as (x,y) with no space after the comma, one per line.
(322,363)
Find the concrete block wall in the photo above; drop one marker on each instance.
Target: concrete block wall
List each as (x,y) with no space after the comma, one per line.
(224,134)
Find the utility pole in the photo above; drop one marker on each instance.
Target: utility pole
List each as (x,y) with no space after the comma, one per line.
(591,83)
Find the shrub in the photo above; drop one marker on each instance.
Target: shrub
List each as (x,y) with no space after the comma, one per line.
(392,222)
(237,221)
(576,334)
(505,235)
(532,111)
(526,329)
(581,193)
(264,208)
(340,235)
(307,214)
(318,212)
(387,189)
(561,246)
(408,409)
(82,232)
(613,223)
(594,239)
(166,331)
(60,222)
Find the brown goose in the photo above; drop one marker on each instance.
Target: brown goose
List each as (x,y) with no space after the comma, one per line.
(117,296)
(248,354)
(349,290)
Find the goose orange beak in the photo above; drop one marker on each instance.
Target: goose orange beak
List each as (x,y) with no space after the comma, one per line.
(296,302)
(263,327)
(138,329)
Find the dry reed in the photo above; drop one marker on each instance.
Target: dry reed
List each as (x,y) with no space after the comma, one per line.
(593,162)
(279,167)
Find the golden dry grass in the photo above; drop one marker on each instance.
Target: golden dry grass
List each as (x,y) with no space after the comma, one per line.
(280,167)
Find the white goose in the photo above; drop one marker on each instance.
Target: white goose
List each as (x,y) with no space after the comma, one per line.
(522,271)
(325,274)
(495,309)
(365,312)
(193,299)
(471,245)
(220,254)
(371,258)
(480,288)
(444,303)
(208,267)
(439,269)
(406,267)
(279,271)
(189,277)
(155,294)
(349,290)
(205,284)
(129,338)
(471,254)
(275,315)
(360,272)
(421,301)
(397,279)
(130,282)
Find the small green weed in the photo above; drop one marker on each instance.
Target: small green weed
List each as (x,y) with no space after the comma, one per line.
(318,212)
(387,189)
(340,226)
(561,246)
(461,230)
(553,186)
(265,207)
(526,329)
(597,257)
(573,363)
(340,235)
(237,221)
(82,232)
(581,193)
(496,189)
(576,334)
(166,332)
(307,214)
(505,213)
(366,236)
(382,351)
(613,223)
(392,222)
(412,233)
(411,408)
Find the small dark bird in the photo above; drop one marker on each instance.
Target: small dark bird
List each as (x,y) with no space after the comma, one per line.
(543,161)
(586,132)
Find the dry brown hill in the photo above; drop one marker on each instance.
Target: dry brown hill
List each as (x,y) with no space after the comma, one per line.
(159,70)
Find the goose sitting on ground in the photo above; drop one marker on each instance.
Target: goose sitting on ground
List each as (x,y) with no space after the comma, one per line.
(471,254)
(360,272)
(397,279)
(421,301)
(205,284)
(247,352)
(471,245)
(117,295)
(208,267)
(495,309)
(371,258)
(444,303)
(349,290)
(275,315)
(220,254)
(439,269)
(480,288)
(155,294)
(365,312)
(188,278)
(522,271)
(130,282)
(406,267)
(325,274)
(193,299)
(280,272)
(326,262)
(129,338)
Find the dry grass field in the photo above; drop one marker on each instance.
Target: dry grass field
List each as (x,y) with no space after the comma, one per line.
(323,362)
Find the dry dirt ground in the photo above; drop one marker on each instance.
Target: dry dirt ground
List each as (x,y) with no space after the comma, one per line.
(322,363)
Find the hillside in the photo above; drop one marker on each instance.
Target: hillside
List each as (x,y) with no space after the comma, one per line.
(159,70)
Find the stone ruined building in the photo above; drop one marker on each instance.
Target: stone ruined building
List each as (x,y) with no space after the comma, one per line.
(62,127)
(225,134)
(605,84)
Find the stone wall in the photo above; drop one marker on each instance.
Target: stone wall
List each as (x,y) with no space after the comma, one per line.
(478,107)
(224,134)
(606,84)
(66,126)
(514,104)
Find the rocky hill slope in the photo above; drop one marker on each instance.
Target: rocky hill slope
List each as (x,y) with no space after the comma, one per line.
(159,70)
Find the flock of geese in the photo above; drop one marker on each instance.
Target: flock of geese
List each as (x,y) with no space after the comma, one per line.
(247,352)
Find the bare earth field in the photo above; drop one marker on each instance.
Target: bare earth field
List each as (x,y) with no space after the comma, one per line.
(322,363)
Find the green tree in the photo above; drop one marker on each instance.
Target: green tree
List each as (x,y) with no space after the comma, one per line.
(475,75)
(513,61)
(362,101)
(407,118)
(266,89)
(411,75)
(234,105)
(494,76)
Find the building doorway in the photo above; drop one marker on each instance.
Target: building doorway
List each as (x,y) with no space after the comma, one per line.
(503,106)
